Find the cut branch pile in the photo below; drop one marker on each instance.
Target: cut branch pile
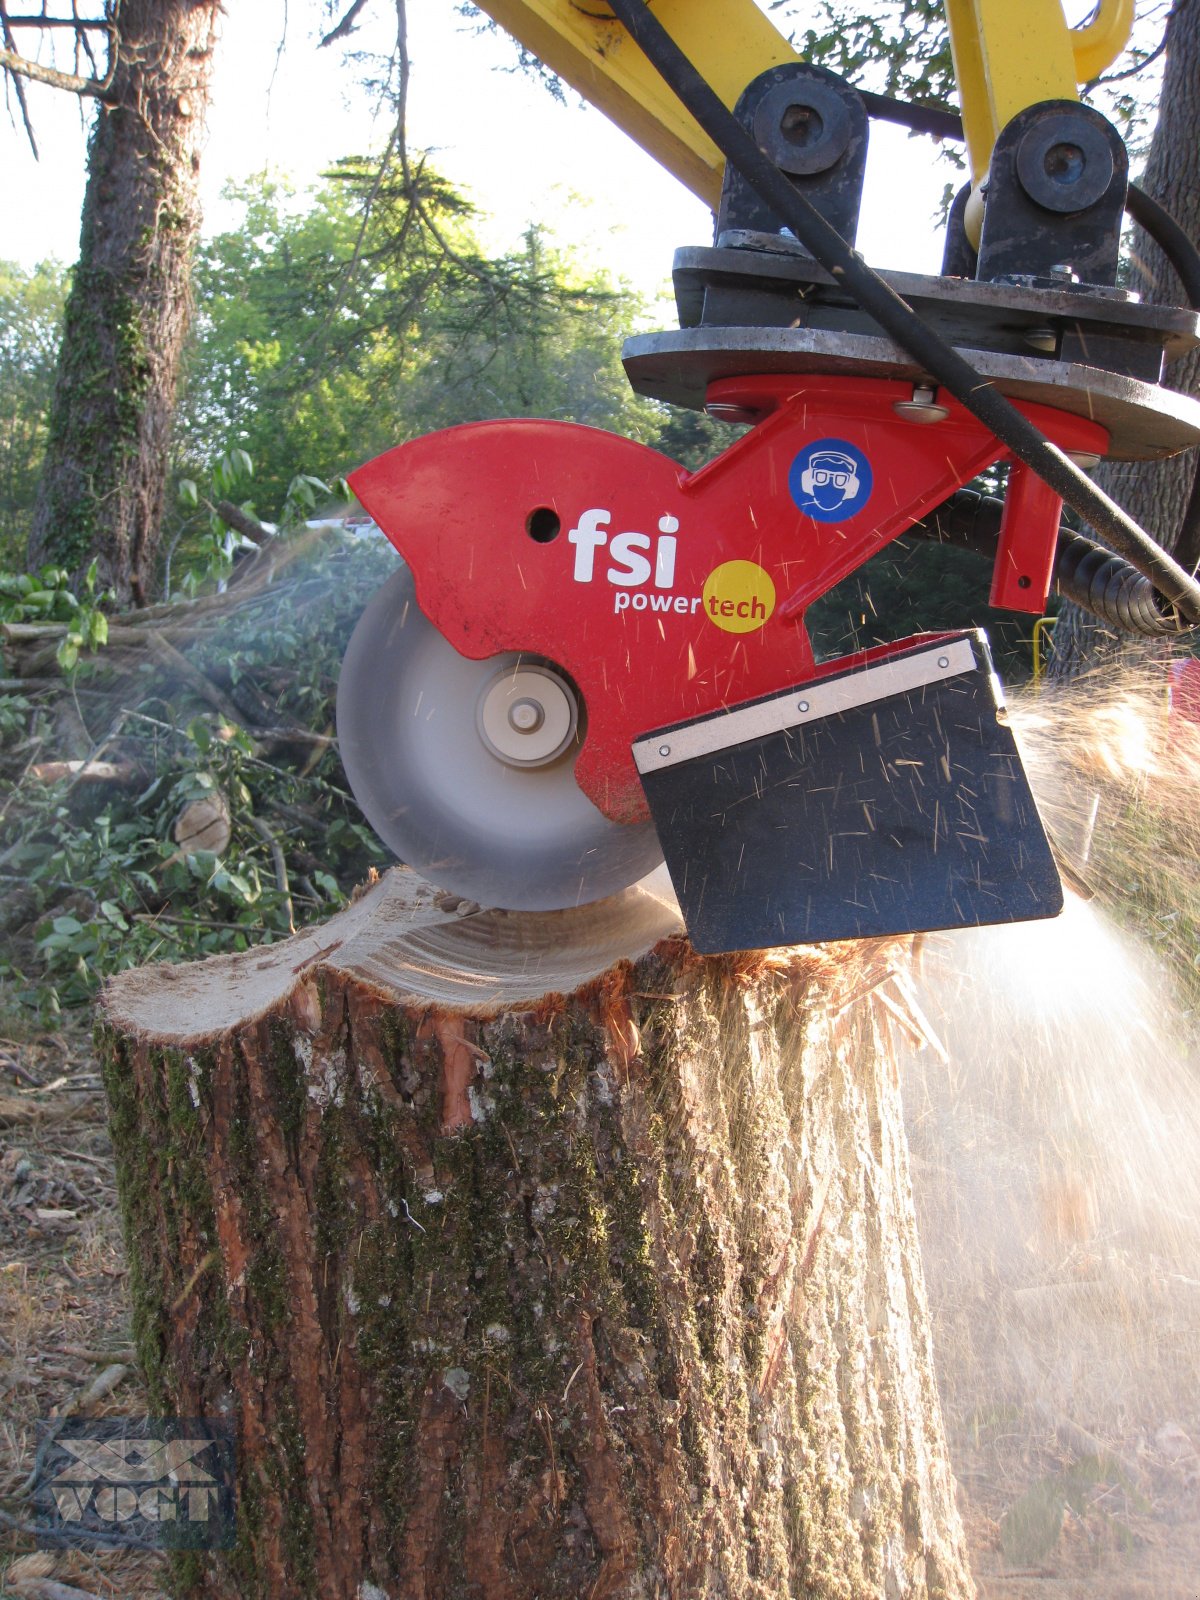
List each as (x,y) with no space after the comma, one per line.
(181,786)
(160,634)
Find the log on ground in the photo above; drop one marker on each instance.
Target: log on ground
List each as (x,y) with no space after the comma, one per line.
(535,1255)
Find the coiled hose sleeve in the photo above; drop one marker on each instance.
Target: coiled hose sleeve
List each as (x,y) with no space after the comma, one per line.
(1084,572)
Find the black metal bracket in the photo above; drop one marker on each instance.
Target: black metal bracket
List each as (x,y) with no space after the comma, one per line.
(1055,198)
(814,127)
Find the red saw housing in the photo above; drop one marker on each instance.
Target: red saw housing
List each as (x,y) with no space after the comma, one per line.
(665,594)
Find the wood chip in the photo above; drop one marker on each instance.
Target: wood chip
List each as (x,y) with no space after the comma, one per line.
(204,824)
(48,1589)
(38,1564)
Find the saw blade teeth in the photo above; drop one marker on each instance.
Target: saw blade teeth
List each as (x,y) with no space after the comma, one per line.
(438,791)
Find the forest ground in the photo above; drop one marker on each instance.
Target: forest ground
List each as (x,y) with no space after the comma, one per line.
(1120,1510)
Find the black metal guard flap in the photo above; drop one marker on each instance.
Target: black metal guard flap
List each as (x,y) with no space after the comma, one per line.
(886,799)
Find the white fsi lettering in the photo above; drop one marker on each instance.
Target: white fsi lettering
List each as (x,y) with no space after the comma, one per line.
(664,556)
(587,538)
(632,569)
(664,564)
(632,564)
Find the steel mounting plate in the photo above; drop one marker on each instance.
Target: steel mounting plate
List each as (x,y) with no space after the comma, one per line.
(1144,422)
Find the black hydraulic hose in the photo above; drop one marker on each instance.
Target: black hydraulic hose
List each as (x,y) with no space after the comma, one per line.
(1170,238)
(1109,588)
(1084,571)
(936,121)
(897,318)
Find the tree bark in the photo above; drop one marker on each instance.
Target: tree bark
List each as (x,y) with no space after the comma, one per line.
(1154,492)
(103,483)
(536,1256)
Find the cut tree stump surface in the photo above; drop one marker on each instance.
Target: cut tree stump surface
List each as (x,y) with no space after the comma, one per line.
(535,1257)
(403,938)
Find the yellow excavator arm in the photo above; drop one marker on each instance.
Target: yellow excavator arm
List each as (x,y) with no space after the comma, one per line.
(1008,54)
(729,42)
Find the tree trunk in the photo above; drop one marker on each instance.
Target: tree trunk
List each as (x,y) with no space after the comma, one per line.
(103,483)
(536,1256)
(1154,492)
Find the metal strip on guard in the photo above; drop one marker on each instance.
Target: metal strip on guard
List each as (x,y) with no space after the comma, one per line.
(805,705)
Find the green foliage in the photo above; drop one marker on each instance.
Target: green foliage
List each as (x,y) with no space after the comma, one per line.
(331,328)
(31,311)
(1032,1526)
(901,47)
(917,586)
(47,596)
(93,878)
(693,437)
(204,544)
(133,896)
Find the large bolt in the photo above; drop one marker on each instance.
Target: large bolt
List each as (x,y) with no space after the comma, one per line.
(1064,163)
(526,716)
(802,125)
(1064,160)
(923,406)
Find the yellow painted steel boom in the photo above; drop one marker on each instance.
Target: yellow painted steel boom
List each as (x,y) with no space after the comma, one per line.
(1008,54)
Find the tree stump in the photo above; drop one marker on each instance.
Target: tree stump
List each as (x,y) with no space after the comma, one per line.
(534,1255)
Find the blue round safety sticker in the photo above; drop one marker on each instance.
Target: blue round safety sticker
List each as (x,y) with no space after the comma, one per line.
(830,480)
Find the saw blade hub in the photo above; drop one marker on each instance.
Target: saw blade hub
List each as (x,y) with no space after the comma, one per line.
(527,715)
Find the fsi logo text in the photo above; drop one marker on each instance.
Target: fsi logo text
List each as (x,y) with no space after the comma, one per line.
(635,564)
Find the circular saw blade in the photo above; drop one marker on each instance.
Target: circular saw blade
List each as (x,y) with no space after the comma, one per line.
(524,838)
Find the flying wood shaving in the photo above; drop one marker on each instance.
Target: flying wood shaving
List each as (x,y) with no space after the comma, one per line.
(876,973)
(911,1017)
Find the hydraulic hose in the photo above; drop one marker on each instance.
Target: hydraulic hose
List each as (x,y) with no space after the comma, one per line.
(1084,571)
(897,318)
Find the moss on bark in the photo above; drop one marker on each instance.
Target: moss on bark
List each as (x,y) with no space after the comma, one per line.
(649,1321)
(107,453)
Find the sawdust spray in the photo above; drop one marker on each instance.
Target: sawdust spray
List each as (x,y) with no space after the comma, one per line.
(1056,1137)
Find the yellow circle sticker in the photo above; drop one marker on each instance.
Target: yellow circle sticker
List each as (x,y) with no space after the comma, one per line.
(738,596)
